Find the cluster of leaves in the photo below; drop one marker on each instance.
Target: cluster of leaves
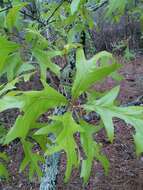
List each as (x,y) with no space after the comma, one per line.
(71,18)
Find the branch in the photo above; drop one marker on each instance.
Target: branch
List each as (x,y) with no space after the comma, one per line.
(24,13)
(100,5)
(48,20)
(5,9)
(32,17)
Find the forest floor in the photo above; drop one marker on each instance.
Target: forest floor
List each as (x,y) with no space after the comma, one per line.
(126,170)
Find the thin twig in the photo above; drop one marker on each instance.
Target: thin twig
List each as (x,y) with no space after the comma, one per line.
(48,20)
(5,9)
(100,5)
(32,17)
(24,13)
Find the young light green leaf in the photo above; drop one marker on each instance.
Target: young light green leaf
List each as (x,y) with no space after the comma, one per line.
(73,32)
(6,48)
(42,141)
(4,156)
(48,98)
(25,67)
(44,60)
(138,138)
(11,85)
(34,37)
(8,102)
(88,73)
(109,98)
(91,149)
(54,127)
(3,171)
(107,110)
(31,159)
(12,64)
(13,14)
(65,141)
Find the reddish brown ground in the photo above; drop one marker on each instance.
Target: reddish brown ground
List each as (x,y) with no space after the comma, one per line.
(126,171)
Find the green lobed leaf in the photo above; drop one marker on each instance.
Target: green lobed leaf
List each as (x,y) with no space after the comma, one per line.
(92,150)
(25,67)
(4,156)
(12,64)
(8,102)
(34,37)
(35,103)
(88,73)
(32,160)
(6,48)
(44,60)
(73,32)
(65,141)
(131,115)
(3,171)
(11,85)
(54,128)
(13,14)
(42,141)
